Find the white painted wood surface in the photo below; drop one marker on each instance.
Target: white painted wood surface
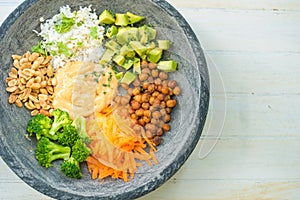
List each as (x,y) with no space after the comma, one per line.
(255,45)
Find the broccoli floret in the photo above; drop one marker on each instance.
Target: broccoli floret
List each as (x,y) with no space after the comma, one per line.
(80,124)
(46,152)
(80,151)
(61,118)
(68,136)
(40,125)
(71,168)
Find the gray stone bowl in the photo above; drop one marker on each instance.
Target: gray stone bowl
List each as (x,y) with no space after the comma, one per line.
(16,37)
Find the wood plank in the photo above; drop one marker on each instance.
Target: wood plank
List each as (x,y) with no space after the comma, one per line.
(241,4)
(245,31)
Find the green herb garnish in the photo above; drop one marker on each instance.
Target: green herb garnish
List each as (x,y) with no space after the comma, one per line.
(39,49)
(63,49)
(64,24)
(93,32)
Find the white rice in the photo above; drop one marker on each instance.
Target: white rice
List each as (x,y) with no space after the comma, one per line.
(78,40)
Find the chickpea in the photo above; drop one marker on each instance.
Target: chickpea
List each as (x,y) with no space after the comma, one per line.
(156,115)
(147,113)
(139,112)
(165,83)
(150,79)
(161,97)
(152,108)
(165,90)
(151,100)
(136,91)
(154,121)
(152,65)
(151,88)
(143,76)
(134,116)
(145,97)
(167,97)
(163,76)
(156,140)
(156,102)
(170,92)
(141,122)
(135,105)
(158,81)
(155,93)
(136,83)
(171,103)
(146,119)
(163,112)
(169,110)
(176,90)
(146,71)
(124,112)
(145,106)
(144,63)
(154,73)
(134,121)
(151,127)
(145,85)
(137,128)
(130,110)
(129,91)
(138,98)
(163,104)
(160,132)
(166,127)
(172,84)
(149,134)
(166,118)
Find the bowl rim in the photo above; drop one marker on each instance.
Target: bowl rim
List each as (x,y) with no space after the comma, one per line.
(12,161)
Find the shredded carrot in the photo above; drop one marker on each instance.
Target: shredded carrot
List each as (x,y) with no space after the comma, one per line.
(116,147)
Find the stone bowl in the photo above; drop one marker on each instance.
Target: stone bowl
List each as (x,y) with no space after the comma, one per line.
(17,37)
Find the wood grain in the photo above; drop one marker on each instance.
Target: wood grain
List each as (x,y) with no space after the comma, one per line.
(256,47)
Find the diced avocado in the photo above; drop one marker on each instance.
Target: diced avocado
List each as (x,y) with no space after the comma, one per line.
(113,45)
(154,55)
(127,51)
(143,35)
(119,60)
(112,31)
(119,75)
(128,78)
(163,44)
(151,33)
(127,64)
(133,33)
(167,66)
(122,36)
(134,18)
(138,48)
(107,56)
(106,17)
(121,19)
(150,46)
(137,66)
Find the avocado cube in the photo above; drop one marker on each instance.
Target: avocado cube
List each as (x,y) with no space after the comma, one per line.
(143,36)
(132,33)
(138,47)
(112,31)
(107,56)
(134,18)
(122,36)
(127,64)
(106,17)
(163,44)
(154,55)
(137,66)
(119,60)
(121,19)
(113,45)
(167,66)
(119,75)
(128,78)
(151,32)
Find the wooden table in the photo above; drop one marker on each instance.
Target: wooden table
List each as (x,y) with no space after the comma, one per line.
(255,45)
